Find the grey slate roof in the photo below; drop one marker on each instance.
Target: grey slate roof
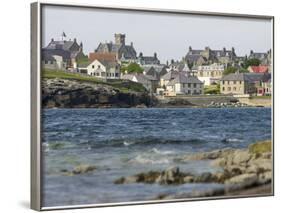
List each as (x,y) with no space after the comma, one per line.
(183,78)
(249,77)
(65,45)
(46,53)
(141,78)
(170,75)
(128,50)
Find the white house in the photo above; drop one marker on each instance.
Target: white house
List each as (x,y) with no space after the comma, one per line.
(185,84)
(102,69)
(210,74)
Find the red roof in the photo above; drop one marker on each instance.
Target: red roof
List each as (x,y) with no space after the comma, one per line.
(259,69)
(102,56)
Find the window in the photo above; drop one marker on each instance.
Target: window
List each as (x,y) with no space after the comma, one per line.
(194,85)
(240,82)
(116,74)
(93,66)
(188,85)
(234,88)
(228,88)
(222,88)
(222,82)
(99,66)
(234,82)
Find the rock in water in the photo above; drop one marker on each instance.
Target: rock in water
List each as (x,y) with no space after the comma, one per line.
(81,169)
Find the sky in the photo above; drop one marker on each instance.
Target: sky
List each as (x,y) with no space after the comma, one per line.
(170,35)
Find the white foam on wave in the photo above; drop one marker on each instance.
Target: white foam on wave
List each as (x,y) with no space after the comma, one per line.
(127,143)
(142,159)
(233,140)
(162,152)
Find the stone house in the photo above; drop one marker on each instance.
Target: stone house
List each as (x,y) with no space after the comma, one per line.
(264,57)
(165,79)
(243,83)
(184,84)
(101,69)
(70,50)
(209,56)
(123,52)
(210,74)
(54,62)
(148,60)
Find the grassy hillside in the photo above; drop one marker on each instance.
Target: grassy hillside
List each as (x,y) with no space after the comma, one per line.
(122,85)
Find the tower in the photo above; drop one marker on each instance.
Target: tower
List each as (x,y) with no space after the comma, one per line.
(120,39)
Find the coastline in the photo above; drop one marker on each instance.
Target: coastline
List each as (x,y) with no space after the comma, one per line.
(244,172)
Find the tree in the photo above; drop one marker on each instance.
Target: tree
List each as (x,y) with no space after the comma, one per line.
(251,62)
(132,68)
(229,70)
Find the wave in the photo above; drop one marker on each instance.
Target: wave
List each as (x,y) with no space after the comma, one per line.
(161,152)
(131,142)
(144,159)
(230,140)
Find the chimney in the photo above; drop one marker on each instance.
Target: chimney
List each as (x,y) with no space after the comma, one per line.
(224,50)
(132,44)
(251,51)
(232,49)
(52,39)
(190,48)
(74,39)
(155,55)
(140,55)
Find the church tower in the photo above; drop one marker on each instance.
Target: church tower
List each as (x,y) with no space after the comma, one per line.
(120,39)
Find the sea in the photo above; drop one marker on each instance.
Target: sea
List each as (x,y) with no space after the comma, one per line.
(124,142)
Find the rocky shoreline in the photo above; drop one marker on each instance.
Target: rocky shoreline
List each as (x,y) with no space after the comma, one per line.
(62,93)
(65,93)
(241,170)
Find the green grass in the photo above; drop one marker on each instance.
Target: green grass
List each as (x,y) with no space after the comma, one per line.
(122,85)
(212,89)
(261,97)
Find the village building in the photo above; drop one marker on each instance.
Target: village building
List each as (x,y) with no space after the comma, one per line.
(165,79)
(54,62)
(264,57)
(148,81)
(184,84)
(258,69)
(180,66)
(148,60)
(209,56)
(102,56)
(154,70)
(123,52)
(69,50)
(210,74)
(101,69)
(266,87)
(244,83)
